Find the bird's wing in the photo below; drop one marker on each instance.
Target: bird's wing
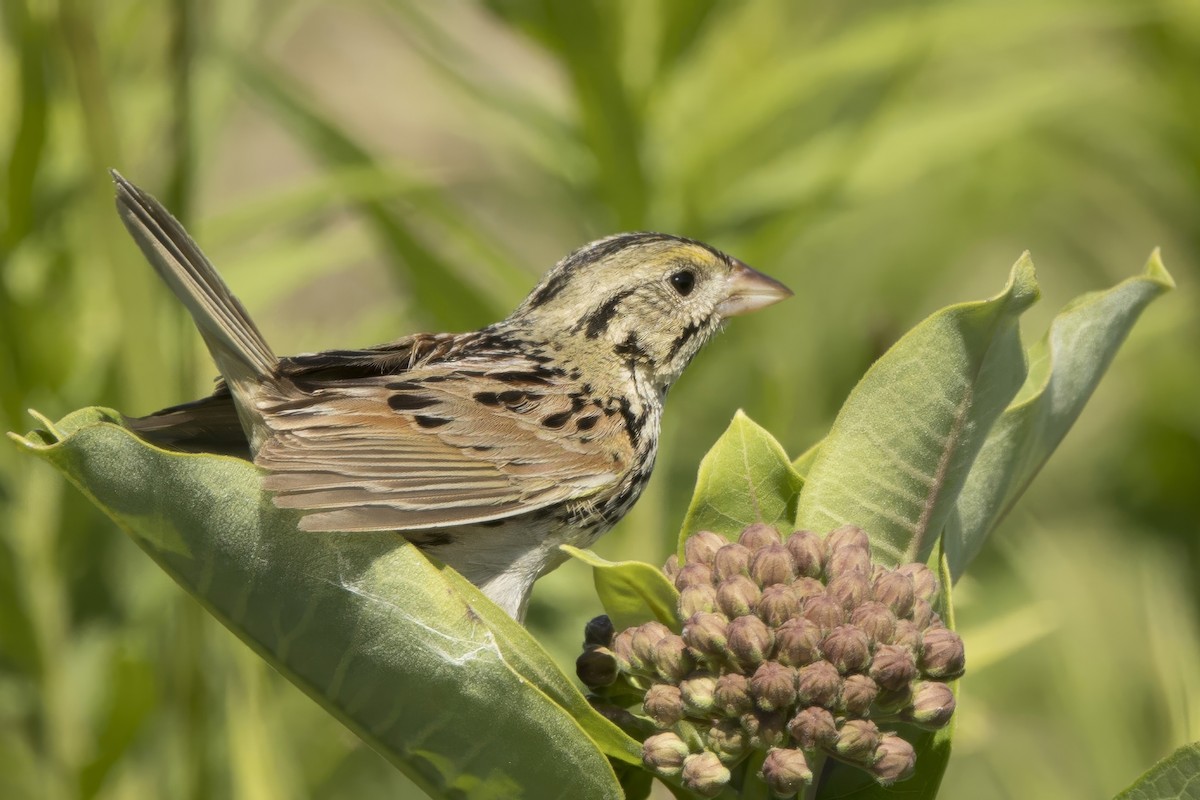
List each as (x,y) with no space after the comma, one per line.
(438,446)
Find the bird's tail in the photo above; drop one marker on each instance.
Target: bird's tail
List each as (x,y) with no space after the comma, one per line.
(242,354)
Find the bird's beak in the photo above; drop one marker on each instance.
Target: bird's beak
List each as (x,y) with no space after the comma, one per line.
(750,290)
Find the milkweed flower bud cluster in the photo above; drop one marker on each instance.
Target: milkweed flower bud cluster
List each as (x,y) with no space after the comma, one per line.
(790,647)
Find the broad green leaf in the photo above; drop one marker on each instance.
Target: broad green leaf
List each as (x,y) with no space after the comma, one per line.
(803,462)
(1064,368)
(899,450)
(632,592)
(932,747)
(745,478)
(1176,777)
(391,645)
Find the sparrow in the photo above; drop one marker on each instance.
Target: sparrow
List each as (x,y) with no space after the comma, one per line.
(487,450)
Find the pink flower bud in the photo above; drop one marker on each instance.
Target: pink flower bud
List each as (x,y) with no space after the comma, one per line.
(798,642)
(813,728)
(759,535)
(732,559)
(695,599)
(772,564)
(786,772)
(825,611)
(893,666)
(773,686)
(663,704)
(943,655)
(895,590)
(847,648)
(857,741)
(778,605)
(895,760)
(693,575)
(664,753)
(858,693)
(738,596)
(819,684)
(808,553)
(704,774)
(875,620)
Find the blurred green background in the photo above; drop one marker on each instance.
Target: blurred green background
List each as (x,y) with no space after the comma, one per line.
(367,169)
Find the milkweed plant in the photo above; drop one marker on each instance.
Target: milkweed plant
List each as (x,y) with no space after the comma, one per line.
(799,643)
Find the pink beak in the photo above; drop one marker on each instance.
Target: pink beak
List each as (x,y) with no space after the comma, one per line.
(750,290)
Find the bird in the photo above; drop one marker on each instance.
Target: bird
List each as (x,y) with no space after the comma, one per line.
(487,449)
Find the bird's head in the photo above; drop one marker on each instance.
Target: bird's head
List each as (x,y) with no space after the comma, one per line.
(648,298)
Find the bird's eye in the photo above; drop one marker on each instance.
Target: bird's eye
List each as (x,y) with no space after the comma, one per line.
(683,281)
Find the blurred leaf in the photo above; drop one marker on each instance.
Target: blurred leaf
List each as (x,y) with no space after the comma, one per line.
(632,592)
(899,450)
(1064,368)
(363,623)
(803,462)
(436,286)
(584,38)
(1176,777)
(745,478)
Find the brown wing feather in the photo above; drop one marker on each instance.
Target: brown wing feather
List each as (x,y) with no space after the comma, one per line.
(409,453)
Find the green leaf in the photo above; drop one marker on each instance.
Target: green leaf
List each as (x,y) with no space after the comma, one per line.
(745,478)
(417,664)
(1064,368)
(803,462)
(1176,777)
(899,450)
(632,592)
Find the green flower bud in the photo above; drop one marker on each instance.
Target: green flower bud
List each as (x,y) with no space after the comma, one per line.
(704,774)
(760,534)
(847,536)
(738,596)
(875,620)
(922,613)
(622,649)
(599,631)
(925,582)
(849,560)
(813,728)
(773,686)
(942,656)
(825,611)
(895,760)
(664,704)
(895,590)
(732,695)
(772,564)
(732,559)
(645,636)
(664,753)
(727,739)
(749,642)
(857,741)
(671,658)
(804,588)
(808,553)
(797,642)
(858,693)
(908,636)
(777,605)
(706,634)
(695,599)
(671,567)
(851,589)
(786,772)
(596,667)
(770,728)
(693,575)
(893,666)
(698,691)
(932,705)
(847,648)
(819,684)
(701,546)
